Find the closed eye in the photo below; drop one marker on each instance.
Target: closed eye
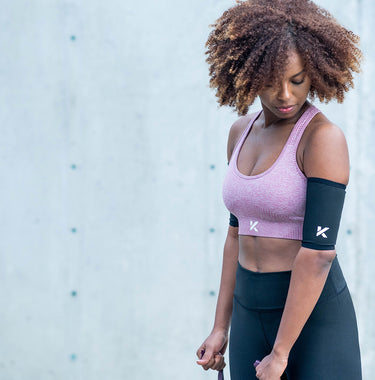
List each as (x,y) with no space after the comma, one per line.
(300,82)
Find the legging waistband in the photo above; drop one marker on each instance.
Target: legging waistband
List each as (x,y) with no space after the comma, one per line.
(268,291)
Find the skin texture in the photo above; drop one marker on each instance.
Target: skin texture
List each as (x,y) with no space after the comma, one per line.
(322,152)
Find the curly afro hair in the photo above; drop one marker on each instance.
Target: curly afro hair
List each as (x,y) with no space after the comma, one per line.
(250,42)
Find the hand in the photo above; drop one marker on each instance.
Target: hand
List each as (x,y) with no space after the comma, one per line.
(271,367)
(213,348)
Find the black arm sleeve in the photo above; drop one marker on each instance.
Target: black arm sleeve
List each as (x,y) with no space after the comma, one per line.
(324,204)
(233,221)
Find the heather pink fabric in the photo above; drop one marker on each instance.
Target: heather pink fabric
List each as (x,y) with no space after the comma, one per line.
(272,203)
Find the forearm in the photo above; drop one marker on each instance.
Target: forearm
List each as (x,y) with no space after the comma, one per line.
(228,278)
(309,274)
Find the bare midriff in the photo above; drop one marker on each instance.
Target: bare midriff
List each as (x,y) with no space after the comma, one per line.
(264,254)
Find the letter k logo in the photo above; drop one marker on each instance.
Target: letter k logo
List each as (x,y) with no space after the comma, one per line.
(253,225)
(321,231)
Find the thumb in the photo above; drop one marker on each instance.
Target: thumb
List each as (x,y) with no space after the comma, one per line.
(206,355)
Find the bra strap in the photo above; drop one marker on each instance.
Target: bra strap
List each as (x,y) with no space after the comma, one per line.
(301,125)
(244,134)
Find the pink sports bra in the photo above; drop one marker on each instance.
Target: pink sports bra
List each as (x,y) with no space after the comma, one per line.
(272,203)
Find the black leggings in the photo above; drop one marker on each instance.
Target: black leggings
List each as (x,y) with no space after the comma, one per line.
(327,348)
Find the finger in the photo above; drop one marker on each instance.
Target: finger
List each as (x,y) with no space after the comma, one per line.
(209,364)
(207,360)
(259,375)
(219,361)
(203,359)
(221,367)
(200,351)
(224,365)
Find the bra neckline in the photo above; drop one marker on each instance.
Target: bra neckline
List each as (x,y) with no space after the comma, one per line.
(279,157)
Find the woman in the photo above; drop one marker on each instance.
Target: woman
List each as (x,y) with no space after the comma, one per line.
(282,290)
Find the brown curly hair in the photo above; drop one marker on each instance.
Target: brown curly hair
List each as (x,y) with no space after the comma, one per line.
(250,42)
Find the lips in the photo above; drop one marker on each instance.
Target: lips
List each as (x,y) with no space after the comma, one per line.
(285,109)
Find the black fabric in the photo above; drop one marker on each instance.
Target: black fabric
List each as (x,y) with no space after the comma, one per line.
(324,203)
(233,221)
(326,349)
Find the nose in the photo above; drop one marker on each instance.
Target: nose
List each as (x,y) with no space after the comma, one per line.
(284,92)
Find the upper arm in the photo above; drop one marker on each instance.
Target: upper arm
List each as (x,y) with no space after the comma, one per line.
(326,154)
(232,232)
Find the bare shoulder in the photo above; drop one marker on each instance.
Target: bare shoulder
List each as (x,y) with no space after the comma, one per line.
(326,151)
(236,131)
(323,132)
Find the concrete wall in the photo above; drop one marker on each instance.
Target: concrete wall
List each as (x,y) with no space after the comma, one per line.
(112,156)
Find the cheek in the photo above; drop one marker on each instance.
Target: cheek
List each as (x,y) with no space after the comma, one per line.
(265,97)
(307,91)
(303,91)
(307,86)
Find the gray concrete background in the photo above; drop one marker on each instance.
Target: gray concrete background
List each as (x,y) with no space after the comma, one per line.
(112,156)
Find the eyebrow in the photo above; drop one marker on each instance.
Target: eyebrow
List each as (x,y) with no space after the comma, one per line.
(296,75)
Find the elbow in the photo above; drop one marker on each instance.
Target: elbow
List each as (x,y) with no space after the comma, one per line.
(319,259)
(325,258)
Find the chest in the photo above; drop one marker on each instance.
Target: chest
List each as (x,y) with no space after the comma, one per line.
(262,147)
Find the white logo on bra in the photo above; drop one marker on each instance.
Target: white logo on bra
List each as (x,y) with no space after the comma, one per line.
(321,231)
(253,225)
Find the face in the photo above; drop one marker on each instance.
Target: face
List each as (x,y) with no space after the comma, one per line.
(286,99)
